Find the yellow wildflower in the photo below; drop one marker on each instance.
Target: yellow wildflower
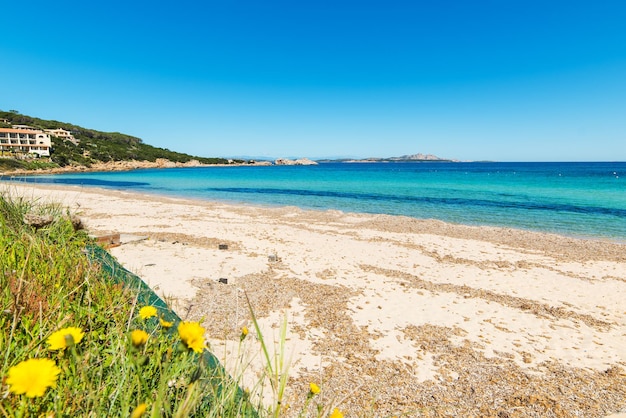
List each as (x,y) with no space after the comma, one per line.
(62,338)
(147,312)
(314,388)
(33,377)
(138,337)
(244,333)
(139,411)
(165,324)
(336,413)
(192,334)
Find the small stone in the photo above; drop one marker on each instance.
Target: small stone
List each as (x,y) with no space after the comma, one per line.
(38,221)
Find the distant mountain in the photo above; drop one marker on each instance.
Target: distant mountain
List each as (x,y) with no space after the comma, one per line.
(403,158)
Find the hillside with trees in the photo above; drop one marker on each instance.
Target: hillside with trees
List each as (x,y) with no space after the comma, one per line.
(91,147)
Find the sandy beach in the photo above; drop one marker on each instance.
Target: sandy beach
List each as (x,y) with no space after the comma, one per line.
(391,316)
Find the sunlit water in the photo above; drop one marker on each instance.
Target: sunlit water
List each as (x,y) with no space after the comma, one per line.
(579,199)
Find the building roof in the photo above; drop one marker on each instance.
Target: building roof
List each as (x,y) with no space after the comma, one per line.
(21,131)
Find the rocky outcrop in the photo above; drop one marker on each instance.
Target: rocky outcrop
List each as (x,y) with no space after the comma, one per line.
(159,163)
(300,161)
(110,166)
(38,221)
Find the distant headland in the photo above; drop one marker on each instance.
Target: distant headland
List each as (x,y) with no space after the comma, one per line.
(403,158)
(29,144)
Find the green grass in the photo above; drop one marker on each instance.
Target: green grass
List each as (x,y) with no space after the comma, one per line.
(48,282)
(10,164)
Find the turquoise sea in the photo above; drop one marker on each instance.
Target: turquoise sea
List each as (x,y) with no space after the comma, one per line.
(577,199)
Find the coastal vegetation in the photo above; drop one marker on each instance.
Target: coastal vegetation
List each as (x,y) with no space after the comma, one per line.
(91,147)
(72,343)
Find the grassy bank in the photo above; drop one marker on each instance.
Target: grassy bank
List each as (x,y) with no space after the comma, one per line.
(74,344)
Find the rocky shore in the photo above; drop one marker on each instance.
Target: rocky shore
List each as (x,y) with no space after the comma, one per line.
(299,161)
(158,163)
(125,166)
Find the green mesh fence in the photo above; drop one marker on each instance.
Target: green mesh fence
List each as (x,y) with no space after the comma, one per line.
(146,296)
(119,275)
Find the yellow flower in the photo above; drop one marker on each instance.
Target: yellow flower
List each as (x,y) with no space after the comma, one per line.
(138,337)
(33,377)
(147,312)
(139,411)
(165,324)
(192,335)
(63,338)
(244,333)
(314,388)
(336,414)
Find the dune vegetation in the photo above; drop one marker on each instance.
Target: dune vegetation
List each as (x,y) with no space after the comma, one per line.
(74,343)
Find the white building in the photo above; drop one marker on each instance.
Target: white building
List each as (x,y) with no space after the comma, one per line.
(63,134)
(23,139)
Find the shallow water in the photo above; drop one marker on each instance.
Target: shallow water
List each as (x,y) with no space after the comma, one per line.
(579,199)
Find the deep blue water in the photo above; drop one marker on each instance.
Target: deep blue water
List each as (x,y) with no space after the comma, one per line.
(579,199)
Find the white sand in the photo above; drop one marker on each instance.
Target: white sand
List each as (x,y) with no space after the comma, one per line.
(367,295)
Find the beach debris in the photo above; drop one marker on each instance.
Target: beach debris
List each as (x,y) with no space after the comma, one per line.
(223,280)
(108,240)
(272,258)
(128,238)
(223,246)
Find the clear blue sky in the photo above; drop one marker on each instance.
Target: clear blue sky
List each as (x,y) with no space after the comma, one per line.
(500,80)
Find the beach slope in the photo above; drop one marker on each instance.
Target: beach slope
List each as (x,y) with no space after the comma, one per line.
(389,315)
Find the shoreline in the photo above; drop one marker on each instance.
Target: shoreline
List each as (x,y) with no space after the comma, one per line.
(601,239)
(389,314)
(129,165)
(584,217)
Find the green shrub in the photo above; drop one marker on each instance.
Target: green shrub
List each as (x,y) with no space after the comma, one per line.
(95,146)
(58,308)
